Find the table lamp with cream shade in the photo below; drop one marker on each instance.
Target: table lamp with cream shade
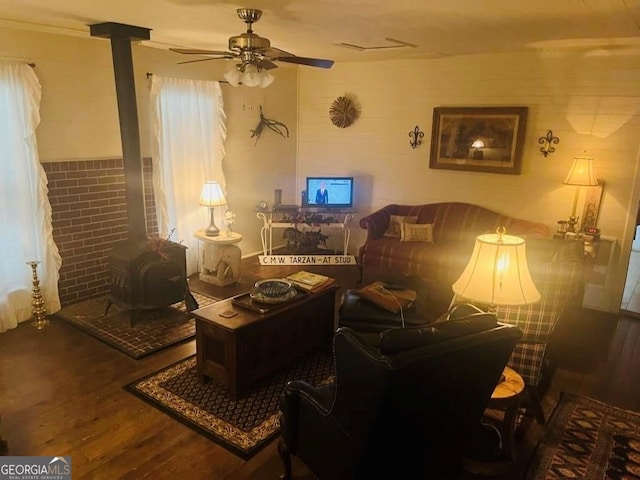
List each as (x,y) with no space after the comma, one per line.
(497,273)
(212,197)
(580,175)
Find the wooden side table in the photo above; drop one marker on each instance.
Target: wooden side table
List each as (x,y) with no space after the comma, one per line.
(502,412)
(220,258)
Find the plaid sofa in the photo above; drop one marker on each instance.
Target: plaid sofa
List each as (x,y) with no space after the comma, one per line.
(440,263)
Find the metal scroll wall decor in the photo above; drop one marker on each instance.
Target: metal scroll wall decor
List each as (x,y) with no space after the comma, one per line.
(546,143)
(415,135)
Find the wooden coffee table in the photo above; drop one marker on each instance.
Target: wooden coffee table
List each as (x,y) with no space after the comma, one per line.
(249,345)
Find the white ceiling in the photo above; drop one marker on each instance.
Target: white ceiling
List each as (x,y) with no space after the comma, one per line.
(314,28)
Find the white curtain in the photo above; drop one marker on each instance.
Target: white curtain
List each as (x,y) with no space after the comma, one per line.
(25,212)
(189,125)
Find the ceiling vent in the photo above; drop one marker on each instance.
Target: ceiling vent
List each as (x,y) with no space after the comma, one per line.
(391,43)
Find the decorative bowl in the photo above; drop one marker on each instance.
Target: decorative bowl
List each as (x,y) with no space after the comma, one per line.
(256,296)
(273,287)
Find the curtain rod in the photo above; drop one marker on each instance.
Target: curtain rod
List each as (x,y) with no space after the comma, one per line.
(31,64)
(149,75)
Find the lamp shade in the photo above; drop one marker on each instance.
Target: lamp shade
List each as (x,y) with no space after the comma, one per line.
(581,172)
(266,79)
(233,76)
(497,273)
(212,195)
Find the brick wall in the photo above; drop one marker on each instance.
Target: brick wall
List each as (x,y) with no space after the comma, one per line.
(89,214)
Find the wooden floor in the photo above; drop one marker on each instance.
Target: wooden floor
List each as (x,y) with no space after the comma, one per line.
(61,394)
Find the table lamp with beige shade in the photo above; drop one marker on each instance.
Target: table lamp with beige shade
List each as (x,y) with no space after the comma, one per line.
(212,196)
(497,273)
(580,175)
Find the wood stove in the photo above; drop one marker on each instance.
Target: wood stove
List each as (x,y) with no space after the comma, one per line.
(143,279)
(146,273)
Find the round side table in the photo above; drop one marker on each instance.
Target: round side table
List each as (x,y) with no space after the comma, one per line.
(220,258)
(502,412)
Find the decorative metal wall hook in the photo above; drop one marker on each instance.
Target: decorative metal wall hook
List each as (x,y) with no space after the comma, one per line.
(415,136)
(546,143)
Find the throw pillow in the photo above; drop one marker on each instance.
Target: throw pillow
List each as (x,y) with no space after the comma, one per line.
(395,222)
(419,232)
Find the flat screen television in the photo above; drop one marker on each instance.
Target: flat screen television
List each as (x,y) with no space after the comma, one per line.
(329,192)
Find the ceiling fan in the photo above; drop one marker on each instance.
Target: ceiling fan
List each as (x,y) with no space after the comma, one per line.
(255,53)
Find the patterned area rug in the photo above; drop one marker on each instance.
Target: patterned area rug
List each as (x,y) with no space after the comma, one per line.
(243,426)
(587,439)
(152,330)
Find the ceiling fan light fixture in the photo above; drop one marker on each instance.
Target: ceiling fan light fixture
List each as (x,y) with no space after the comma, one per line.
(249,75)
(267,79)
(233,76)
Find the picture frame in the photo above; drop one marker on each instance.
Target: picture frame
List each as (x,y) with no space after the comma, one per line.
(478,139)
(590,198)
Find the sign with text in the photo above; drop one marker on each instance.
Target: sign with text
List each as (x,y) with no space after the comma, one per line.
(307,260)
(35,468)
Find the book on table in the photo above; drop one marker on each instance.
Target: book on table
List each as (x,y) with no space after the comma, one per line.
(391,298)
(310,282)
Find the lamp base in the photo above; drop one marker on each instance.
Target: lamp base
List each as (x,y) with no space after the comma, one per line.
(212,231)
(40,323)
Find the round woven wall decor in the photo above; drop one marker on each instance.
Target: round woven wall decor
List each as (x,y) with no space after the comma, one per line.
(344,111)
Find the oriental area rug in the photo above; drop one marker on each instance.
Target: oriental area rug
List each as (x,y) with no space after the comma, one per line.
(242,426)
(587,439)
(152,331)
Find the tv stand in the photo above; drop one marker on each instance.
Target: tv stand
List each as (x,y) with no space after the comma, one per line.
(304,219)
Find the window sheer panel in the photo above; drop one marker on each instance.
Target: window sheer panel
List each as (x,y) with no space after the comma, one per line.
(25,213)
(189,126)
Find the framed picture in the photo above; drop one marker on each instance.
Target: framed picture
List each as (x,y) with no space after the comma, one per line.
(478,139)
(590,198)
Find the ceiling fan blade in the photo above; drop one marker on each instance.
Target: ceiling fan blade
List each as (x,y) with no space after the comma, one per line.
(202,60)
(273,52)
(312,62)
(267,64)
(195,51)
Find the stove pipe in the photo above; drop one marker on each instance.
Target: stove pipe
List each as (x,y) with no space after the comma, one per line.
(121,36)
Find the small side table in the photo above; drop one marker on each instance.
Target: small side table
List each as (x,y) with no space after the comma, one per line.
(220,258)
(502,411)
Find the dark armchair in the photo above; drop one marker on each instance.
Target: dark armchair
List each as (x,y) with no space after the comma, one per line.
(405,410)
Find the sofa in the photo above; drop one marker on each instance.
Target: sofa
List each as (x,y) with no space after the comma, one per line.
(435,246)
(407,409)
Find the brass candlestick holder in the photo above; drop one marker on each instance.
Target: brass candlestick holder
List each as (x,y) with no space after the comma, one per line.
(39,319)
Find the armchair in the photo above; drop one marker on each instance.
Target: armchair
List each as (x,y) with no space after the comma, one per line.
(406,410)
(558,272)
